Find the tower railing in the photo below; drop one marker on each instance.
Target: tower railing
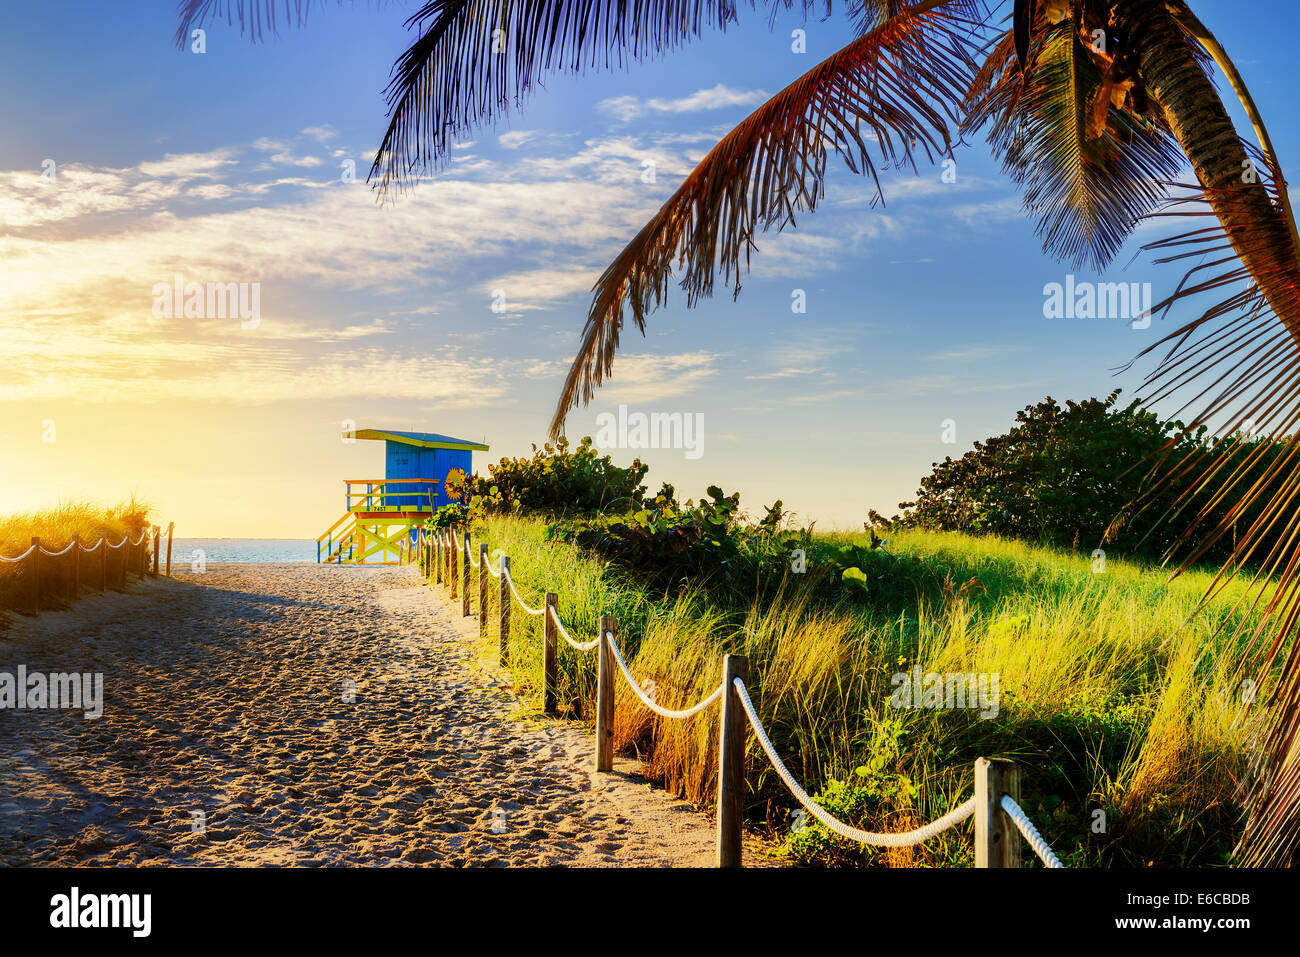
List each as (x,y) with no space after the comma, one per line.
(388,495)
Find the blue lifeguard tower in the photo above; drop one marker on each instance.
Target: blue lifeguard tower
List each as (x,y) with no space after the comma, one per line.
(383,514)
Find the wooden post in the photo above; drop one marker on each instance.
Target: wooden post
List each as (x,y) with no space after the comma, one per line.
(36,574)
(126,557)
(550,636)
(464,590)
(605,698)
(731,763)
(171,527)
(157,541)
(997,842)
(103,563)
(437,558)
(503,627)
(482,589)
(452,564)
(76,564)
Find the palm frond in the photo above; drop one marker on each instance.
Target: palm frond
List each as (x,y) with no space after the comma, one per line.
(256,17)
(879,88)
(867,15)
(474,59)
(1090,170)
(1241,363)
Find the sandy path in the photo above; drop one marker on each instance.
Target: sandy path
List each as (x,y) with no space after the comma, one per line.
(224,694)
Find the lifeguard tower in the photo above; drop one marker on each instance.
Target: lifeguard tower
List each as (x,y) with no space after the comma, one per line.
(383,514)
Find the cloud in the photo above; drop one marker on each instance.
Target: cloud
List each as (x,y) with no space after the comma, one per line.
(320,133)
(654,378)
(1003,210)
(187,166)
(533,288)
(973,353)
(801,358)
(289,159)
(622,108)
(717,97)
(82,253)
(517,138)
(625,108)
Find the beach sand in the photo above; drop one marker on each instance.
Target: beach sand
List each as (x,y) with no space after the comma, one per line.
(227,740)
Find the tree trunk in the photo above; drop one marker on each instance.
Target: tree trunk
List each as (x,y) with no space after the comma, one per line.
(1177,82)
(1262,239)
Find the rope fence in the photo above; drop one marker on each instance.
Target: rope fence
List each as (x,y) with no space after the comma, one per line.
(1000,821)
(46,580)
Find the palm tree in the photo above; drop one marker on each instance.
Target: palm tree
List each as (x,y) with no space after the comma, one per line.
(1091,105)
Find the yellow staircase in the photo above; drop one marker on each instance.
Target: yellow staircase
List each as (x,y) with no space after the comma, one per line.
(376,528)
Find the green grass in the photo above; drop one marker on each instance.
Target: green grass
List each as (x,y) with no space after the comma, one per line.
(1110,699)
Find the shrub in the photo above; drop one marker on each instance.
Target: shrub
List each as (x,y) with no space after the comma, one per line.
(666,542)
(1082,475)
(555,481)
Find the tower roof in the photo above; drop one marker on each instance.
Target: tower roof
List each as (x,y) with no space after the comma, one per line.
(424,440)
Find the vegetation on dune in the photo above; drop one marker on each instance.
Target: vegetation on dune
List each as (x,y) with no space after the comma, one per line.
(1087,474)
(1112,696)
(55,528)
(1108,698)
(557,479)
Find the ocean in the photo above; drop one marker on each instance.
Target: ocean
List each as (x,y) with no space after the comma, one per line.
(187,550)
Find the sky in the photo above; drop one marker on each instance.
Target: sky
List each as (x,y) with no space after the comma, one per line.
(125,162)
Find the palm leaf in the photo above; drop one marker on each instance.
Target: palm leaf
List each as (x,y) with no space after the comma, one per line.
(1242,368)
(1090,171)
(476,59)
(898,85)
(256,17)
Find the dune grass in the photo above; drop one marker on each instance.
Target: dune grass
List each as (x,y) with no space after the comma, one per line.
(55,528)
(1128,723)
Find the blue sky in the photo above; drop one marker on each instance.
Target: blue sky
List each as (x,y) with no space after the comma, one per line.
(225,167)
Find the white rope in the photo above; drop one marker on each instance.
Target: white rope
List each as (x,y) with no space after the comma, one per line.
(1026,827)
(559,625)
(514,591)
(496,574)
(684,713)
(905,839)
(84,548)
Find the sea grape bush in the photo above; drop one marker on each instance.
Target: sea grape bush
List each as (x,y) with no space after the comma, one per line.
(447,516)
(665,542)
(1081,475)
(556,480)
(707,545)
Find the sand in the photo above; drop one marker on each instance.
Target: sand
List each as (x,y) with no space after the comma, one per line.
(227,740)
